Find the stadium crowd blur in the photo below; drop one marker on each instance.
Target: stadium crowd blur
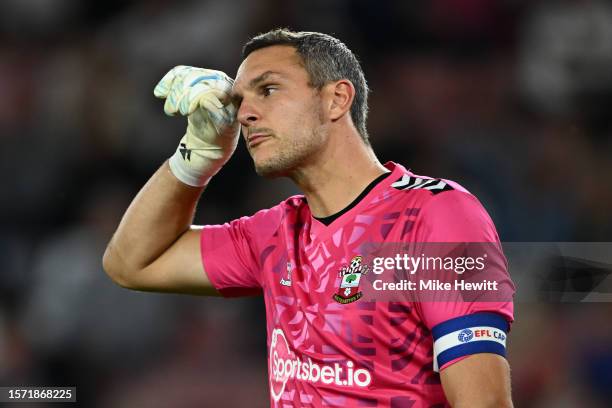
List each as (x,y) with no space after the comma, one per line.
(509,98)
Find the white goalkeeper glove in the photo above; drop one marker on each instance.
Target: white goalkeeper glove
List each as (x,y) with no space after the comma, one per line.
(212,129)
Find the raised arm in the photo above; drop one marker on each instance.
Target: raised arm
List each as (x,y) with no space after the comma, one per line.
(155,248)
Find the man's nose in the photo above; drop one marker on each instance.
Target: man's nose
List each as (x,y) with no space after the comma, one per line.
(247,114)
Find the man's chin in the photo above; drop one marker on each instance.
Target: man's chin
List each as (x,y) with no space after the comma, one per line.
(270,170)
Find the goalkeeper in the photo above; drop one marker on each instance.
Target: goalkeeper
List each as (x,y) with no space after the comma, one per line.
(300,102)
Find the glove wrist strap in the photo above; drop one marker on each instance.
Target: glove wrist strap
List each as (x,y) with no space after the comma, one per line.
(186,173)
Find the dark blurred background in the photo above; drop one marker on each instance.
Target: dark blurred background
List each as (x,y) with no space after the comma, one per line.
(509,98)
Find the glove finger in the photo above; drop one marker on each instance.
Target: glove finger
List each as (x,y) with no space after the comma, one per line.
(185,100)
(164,85)
(170,106)
(216,80)
(193,83)
(231,111)
(216,114)
(176,95)
(197,98)
(215,96)
(207,77)
(212,76)
(221,116)
(226,84)
(195,101)
(224,95)
(189,99)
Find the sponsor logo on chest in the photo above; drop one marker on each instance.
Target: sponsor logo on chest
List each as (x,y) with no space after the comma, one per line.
(285,365)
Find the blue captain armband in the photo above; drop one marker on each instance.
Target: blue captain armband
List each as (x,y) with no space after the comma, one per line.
(466,335)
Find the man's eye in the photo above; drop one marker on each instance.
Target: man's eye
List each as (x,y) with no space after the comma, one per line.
(268,90)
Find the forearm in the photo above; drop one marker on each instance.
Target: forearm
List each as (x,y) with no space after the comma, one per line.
(159,214)
(153,248)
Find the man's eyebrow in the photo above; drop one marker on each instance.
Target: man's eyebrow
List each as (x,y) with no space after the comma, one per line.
(259,79)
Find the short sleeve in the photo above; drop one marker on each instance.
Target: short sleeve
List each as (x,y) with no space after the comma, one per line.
(230,251)
(458,217)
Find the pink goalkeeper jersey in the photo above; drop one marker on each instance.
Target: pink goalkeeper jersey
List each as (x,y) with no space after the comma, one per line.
(327,346)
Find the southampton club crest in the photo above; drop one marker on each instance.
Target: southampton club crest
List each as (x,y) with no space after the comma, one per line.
(349,284)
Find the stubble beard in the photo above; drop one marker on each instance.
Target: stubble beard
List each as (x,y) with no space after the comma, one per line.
(290,155)
(293,151)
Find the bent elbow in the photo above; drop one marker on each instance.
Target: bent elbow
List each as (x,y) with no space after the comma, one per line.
(114,268)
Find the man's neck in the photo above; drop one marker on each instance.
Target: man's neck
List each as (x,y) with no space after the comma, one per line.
(338,175)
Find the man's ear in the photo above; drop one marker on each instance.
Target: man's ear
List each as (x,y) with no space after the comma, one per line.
(341,94)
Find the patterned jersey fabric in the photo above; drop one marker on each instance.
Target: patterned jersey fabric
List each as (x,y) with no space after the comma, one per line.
(327,344)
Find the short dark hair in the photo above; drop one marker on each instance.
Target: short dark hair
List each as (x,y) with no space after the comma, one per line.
(325,59)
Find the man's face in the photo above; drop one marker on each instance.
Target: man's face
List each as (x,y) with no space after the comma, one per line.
(281,115)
